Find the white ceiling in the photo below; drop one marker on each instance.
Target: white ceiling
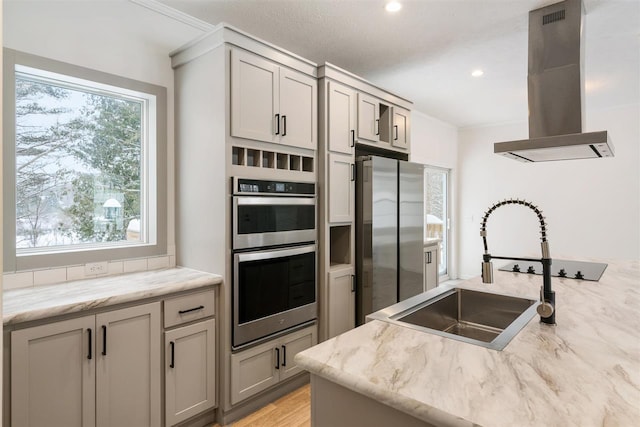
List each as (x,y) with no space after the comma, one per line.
(426,52)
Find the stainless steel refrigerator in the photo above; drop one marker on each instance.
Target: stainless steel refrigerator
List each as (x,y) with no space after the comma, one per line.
(389,233)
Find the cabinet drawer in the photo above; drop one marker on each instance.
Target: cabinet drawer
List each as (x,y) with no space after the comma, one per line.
(188,308)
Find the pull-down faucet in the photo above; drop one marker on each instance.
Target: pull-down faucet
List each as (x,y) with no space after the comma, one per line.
(546,309)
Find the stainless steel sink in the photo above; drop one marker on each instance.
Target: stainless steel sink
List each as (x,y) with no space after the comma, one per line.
(482,318)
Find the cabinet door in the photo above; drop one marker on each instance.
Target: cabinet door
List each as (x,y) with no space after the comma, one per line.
(128,367)
(368,118)
(341,301)
(341,188)
(190,371)
(290,346)
(298,109)
(430,268)
(53,374)
(254,96)
(341,114)
(253,370)
(400,131)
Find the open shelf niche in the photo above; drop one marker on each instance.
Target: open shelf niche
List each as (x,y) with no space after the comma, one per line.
(339,245)
(267,159)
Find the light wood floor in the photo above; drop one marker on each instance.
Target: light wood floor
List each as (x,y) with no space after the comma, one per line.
(291,410)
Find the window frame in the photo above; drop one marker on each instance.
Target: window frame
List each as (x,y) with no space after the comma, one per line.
(446,241)
(153,173)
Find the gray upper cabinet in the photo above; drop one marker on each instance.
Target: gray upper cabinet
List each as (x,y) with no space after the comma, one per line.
(272,103)
(368,118)
(400,136)
(298,109)
(341,118)
(341,188)
(254,97)
(101,370)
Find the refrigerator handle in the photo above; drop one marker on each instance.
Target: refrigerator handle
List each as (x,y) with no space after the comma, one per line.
(353,171)
(353,283)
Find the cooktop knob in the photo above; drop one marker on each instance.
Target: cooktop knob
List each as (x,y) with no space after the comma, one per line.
(531,270)
(562,273)
(579,275)
(516,268)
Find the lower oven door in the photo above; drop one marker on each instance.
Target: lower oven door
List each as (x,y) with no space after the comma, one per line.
(273,290)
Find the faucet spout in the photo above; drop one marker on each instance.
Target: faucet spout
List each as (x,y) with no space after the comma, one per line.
(546,309)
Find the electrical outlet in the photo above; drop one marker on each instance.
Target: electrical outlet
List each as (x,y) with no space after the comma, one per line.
(95,268)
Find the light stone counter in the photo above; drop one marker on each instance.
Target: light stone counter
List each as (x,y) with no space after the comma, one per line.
(585,371)
(21,305)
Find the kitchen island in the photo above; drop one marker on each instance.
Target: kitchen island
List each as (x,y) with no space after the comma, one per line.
(585,371)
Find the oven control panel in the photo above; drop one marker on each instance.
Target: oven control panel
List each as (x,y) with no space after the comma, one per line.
(256,186)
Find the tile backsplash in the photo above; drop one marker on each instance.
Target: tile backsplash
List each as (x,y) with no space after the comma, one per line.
(26,279)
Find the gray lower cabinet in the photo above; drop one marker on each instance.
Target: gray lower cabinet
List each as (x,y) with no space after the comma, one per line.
(189,355)
(431,270)
(342,301)
(101,370)
(190,374)
(265,365)
(53,374)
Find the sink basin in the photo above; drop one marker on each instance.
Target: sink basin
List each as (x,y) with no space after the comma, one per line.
(482,318)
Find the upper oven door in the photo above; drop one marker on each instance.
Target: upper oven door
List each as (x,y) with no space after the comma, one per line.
(267,221)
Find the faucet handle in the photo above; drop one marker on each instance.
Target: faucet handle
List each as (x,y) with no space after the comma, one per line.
(544,309)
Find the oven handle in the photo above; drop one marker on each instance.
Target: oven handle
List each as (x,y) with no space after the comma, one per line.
(243,200)
(275,253)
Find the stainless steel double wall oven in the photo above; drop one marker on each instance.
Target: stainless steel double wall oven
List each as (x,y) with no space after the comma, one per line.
(274,258)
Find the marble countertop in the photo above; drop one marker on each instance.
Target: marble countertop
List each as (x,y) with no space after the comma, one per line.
(21,305)
(585,371)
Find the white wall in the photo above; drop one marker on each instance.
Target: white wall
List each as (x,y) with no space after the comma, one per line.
(435,143)
(592,206)
(117,37)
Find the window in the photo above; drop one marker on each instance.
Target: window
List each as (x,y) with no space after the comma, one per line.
(437,211)
(84,162)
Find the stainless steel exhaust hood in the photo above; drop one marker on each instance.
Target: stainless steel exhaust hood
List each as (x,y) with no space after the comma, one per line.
(556,91)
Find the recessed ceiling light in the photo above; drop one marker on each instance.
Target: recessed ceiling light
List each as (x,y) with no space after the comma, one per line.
(477,73)
(393,6)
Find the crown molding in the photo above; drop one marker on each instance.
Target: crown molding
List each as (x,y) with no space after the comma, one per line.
(175,14)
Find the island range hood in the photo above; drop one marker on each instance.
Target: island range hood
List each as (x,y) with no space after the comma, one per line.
(556,91)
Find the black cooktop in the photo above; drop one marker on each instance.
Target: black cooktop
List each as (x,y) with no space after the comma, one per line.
(560,268)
